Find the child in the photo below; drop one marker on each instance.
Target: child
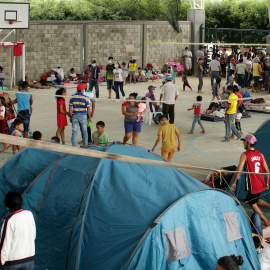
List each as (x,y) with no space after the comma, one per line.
(163,78)
(125,71)
(238,117)
(149,74)
(99,136)
(197,115)
(132,68)
(55,139)
(73,76)
(141,110)
(18,125)
(174,73)
(216,87)
(61,113)
(141,76)
(185,81)
(167,133)
(37,135)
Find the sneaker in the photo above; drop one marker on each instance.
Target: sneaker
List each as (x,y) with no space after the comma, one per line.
(225,140)
(190,132)
(238,138)
(203,131)
(124,98)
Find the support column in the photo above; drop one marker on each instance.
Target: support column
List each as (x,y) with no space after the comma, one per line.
(197,18)
(268,43)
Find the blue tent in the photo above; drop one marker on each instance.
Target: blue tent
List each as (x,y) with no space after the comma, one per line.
(105,214)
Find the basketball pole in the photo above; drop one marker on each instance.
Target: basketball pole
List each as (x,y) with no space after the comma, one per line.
(23,62)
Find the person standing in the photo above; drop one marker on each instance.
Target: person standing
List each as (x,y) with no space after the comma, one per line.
(25,102)
(79,110)
(118,80)
(199,54)
(256,70)
(253,161)
(109,75)
(266,71)
(230,115)
(18,235)
(214,69)
(169,94)
(223,58)
(240,71)
(94,78)
(200,75)
(167,133)
(187,56)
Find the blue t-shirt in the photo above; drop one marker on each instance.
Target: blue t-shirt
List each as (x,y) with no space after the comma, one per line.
(23,101)
(215,92)
(80,103)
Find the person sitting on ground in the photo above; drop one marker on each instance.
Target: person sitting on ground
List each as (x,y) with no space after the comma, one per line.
(99,136)
(229,262)
(37,135)
(73,76)
(167,133)
(158,108)
(55,139)
(18,125)
(18,235)
(141,77)
(227,83)
(149,73)
(197,115)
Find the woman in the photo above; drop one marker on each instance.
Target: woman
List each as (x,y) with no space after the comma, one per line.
(61,114)
(118,81)
(229,262)
(130,111)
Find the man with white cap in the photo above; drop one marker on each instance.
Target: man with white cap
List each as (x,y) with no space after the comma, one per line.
(253,161)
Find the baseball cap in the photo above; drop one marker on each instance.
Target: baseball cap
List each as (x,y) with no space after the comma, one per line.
(151,86)
(81,86)
(249,138)
(168,78)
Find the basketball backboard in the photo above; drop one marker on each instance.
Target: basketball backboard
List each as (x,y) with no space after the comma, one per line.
(14,15)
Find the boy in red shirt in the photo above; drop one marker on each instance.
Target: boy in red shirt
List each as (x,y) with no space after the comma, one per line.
(197,114)
(253,161)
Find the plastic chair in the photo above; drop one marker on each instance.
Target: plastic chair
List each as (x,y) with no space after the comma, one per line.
(149,115)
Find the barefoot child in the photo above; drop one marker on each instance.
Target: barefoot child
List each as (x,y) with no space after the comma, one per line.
(18,124)
(132,69)
(99,136)
(197,115)
(185,81)
(216,87)
(174,73)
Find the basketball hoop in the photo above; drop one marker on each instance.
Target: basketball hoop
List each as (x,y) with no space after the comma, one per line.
(11,22)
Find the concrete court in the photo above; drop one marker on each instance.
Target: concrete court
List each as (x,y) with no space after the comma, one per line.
(203,150)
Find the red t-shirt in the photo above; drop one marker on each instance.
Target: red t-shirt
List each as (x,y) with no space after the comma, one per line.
(197,108)
(255,164)
(239,96)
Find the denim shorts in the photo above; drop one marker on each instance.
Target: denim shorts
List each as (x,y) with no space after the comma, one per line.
(25,116)
(132,73)
(109,84)
(133,125)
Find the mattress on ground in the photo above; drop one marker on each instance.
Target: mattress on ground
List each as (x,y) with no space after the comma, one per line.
(212,118)
(261,107)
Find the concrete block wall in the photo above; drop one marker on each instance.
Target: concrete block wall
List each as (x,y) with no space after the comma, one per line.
(76,43)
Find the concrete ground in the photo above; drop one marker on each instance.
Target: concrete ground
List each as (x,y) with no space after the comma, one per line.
(203,150)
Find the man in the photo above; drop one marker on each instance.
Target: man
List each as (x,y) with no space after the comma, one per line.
(167,133)
(266,71)
(94,78)
(253,161)
(214,69)
(109,75)
(230,115)
(187,56)
(169,94)
(199,54)
(223,58)
(18,235)
(25,102)
(200,76)
(158,108)
(79,108)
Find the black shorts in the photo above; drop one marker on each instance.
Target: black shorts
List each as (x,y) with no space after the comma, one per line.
(252,198)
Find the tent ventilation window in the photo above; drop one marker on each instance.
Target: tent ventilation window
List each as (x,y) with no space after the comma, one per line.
(232,226)
(177,244)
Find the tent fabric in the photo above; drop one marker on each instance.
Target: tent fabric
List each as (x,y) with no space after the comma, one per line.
(94,213)
(204,228)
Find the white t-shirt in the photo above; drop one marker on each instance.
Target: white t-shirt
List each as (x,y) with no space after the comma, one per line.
(248,65)
(91,97)
(264,258)
(169,91)
(73,75)
(187,53)
(2,111)
(199,54)
(232,66)
(118,75)
(214,64)
(51,78)
(238,116)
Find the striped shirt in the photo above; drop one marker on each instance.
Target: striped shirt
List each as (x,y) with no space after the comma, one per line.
(80,103)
